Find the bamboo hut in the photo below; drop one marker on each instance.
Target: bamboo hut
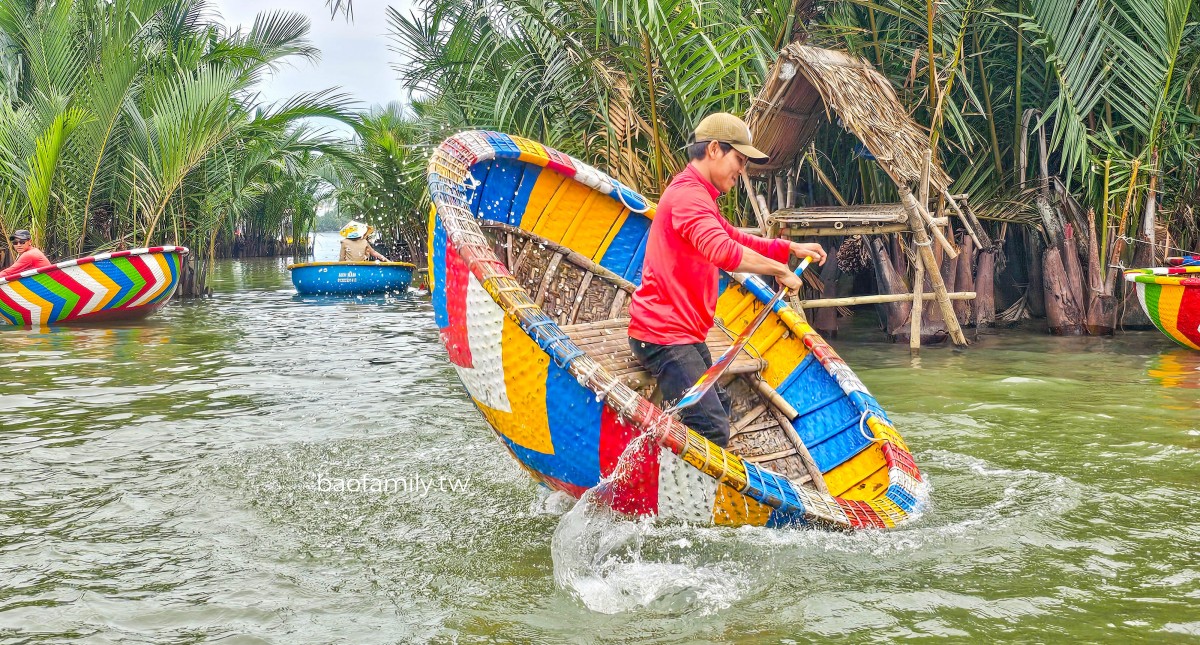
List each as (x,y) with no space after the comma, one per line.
(809,88)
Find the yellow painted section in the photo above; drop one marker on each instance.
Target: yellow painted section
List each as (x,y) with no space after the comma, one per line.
(33,298)
(857,477)
(111,289)
(592,224)
(525,370)
(732,305)
(881,430)
(544,188)
(567,202)
(714,461)
(1169,299)
(782,359)
(532,151)
(736,308)
(609,237)
(430,225)
(889,511)
(732,508)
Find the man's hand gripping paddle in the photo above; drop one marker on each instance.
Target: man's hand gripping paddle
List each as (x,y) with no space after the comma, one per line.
(709,378)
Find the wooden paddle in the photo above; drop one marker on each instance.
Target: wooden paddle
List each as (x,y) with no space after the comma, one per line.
(710,376)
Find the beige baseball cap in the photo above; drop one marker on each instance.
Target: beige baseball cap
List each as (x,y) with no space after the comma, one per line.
(727,128)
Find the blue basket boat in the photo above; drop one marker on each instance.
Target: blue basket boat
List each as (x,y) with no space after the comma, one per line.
(350,278)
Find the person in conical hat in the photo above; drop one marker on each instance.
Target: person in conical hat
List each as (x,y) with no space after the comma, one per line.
(355,247)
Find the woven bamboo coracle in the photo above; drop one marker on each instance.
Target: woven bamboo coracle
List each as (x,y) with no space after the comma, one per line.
(533,258)
(1170,296)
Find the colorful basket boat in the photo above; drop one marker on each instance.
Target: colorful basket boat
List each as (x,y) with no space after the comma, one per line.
(111,286)
(350,278)
(1170,296)
(534,256)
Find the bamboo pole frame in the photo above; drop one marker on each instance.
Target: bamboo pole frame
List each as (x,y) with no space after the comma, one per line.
(883,298)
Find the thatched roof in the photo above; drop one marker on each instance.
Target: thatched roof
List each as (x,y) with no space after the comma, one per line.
(807,86)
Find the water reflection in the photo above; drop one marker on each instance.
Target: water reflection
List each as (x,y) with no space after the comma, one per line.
(1176,368)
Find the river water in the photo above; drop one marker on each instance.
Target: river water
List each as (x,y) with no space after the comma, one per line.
(207,474)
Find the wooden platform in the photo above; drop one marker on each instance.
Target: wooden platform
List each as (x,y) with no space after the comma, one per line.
(607,342)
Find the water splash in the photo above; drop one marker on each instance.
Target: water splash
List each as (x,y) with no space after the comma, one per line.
(615,562)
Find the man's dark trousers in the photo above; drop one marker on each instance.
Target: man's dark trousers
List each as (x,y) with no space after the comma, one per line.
(677,368)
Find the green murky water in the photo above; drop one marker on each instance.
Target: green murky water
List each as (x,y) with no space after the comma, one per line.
(207,475)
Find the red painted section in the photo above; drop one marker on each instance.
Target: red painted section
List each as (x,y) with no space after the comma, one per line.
(11,304)
(558,484)
(138,262)
(83,293)
(896,458)
(1188,322)
(635,491)
(560,163)
(454,336)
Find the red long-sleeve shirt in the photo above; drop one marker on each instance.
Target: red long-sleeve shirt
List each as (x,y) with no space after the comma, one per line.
(689,241)
(31,259)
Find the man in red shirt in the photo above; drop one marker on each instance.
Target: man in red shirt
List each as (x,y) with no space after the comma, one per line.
(28,257)
(672,311)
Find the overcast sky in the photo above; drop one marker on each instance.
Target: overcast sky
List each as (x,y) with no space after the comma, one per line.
(354,55)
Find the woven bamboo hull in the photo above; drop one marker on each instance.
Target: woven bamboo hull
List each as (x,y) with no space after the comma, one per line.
(350,278)
(1170,296)
(533,257)
(102,288)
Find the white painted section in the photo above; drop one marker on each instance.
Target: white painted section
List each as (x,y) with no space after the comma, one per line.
(684,493)
(485,327)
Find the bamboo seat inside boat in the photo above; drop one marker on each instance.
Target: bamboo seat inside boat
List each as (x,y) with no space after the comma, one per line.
(607,343)
(859,214)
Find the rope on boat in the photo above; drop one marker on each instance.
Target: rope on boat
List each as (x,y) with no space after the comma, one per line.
(621,196)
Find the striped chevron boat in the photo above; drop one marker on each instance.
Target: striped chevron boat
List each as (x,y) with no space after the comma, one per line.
(1184,261)
(533,258)
(110,286)
(1170,296)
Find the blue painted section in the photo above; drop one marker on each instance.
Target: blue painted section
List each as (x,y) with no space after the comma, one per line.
(574,416)
(780,518)
(777,492)
(350,279)
(634,272)
(625,245)
(495,198)
(828,421)
(723,282)
(118,276)
(902,499)
(505,147)
(529,177)
(437,264)
(480,172)
(56,302)
(629,198)
(864,401)
(12,320)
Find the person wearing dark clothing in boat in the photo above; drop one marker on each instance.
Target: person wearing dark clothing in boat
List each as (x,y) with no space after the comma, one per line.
(28,256)
(672,311)
(355,247)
